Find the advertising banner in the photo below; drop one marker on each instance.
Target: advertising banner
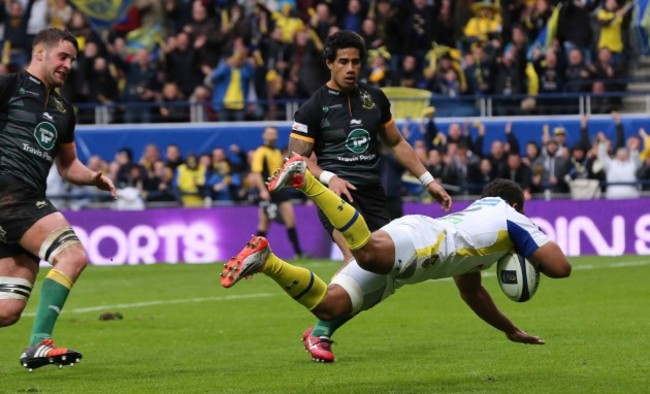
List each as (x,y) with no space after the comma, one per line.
(205,235)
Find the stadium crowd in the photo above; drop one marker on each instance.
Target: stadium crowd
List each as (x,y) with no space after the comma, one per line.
(548,168)
(248,59)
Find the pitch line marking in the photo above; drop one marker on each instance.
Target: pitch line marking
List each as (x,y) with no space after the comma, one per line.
(266,295)
(161,302)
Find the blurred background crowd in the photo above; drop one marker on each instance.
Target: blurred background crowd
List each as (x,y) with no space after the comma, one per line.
(178,61)
(164,54)
(615,168)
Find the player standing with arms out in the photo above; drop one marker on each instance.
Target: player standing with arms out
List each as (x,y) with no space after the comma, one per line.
(36,130)
(266,159)
(344,123)
(408,250)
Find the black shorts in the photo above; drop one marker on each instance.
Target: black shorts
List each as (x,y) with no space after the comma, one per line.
(371,203)
(20,208)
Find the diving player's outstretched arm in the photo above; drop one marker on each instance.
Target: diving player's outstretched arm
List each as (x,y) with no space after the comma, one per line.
(477,297)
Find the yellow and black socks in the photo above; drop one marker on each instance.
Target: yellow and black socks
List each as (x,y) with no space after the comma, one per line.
(300,283)
(54,292)
(342,215)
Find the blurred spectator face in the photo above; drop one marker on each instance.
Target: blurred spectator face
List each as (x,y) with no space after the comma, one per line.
(514,161)
(170,91)
(454,131)
(354,7)
(485,166)
(199,13)
(368,26)
(151,153)
(575,57)
(323,12)
(450,75)
(551,59)
(182,41)
(99,64)
(496,149)
(622,154)
(434,157)
(518,35)
(276,34)
(191,161)
(611,5)
(91,50)
(142,56)
(201,94)
(409,63)
(173,153)
(541,6)
(270,136)
(551,147)
(205,160)
(604,55)
(452,149)
(77,21)
(419,4)
(95,163)
(383,6)
(3,69)
(532,150)
(15,9)
(469,60)
(302,37)
(598,87)
(578,154)
(218,154)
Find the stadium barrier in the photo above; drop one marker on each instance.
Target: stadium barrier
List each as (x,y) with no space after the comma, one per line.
(198,138)
(206,235)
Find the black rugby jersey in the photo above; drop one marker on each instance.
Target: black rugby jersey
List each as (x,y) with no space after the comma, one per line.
(32,125)
(344,130)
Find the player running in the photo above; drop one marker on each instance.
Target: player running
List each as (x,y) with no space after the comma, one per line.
(37,130)
(408,250)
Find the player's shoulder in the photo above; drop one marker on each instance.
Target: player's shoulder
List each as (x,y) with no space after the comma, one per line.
(12,79)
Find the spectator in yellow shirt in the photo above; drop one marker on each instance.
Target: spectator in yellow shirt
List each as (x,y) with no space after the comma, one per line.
(610,19)
(485,23)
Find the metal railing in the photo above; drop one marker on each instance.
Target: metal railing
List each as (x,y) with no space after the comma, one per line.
(460,106)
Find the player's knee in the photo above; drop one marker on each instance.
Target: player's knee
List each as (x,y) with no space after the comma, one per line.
(335,305)
(10,311)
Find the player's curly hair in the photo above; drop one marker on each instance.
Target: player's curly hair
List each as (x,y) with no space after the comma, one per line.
(344,39)
(507,190)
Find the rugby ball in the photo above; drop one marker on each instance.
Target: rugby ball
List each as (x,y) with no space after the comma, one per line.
(518,277)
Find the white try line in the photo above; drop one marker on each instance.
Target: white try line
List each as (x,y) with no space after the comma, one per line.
(266,295)
(161,302)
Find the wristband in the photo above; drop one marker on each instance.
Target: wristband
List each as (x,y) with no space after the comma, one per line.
(325,177)
(426,179)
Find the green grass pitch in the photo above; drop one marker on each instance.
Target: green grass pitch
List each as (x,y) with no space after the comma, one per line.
(183,333)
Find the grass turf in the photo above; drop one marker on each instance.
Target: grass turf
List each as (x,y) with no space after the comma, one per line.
(182,332)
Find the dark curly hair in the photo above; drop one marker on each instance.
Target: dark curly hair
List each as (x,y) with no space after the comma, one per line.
(344,39)
(507,190)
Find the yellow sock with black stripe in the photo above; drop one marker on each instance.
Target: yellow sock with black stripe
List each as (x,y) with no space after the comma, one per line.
(300,283)
(54,292)
(342,215)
